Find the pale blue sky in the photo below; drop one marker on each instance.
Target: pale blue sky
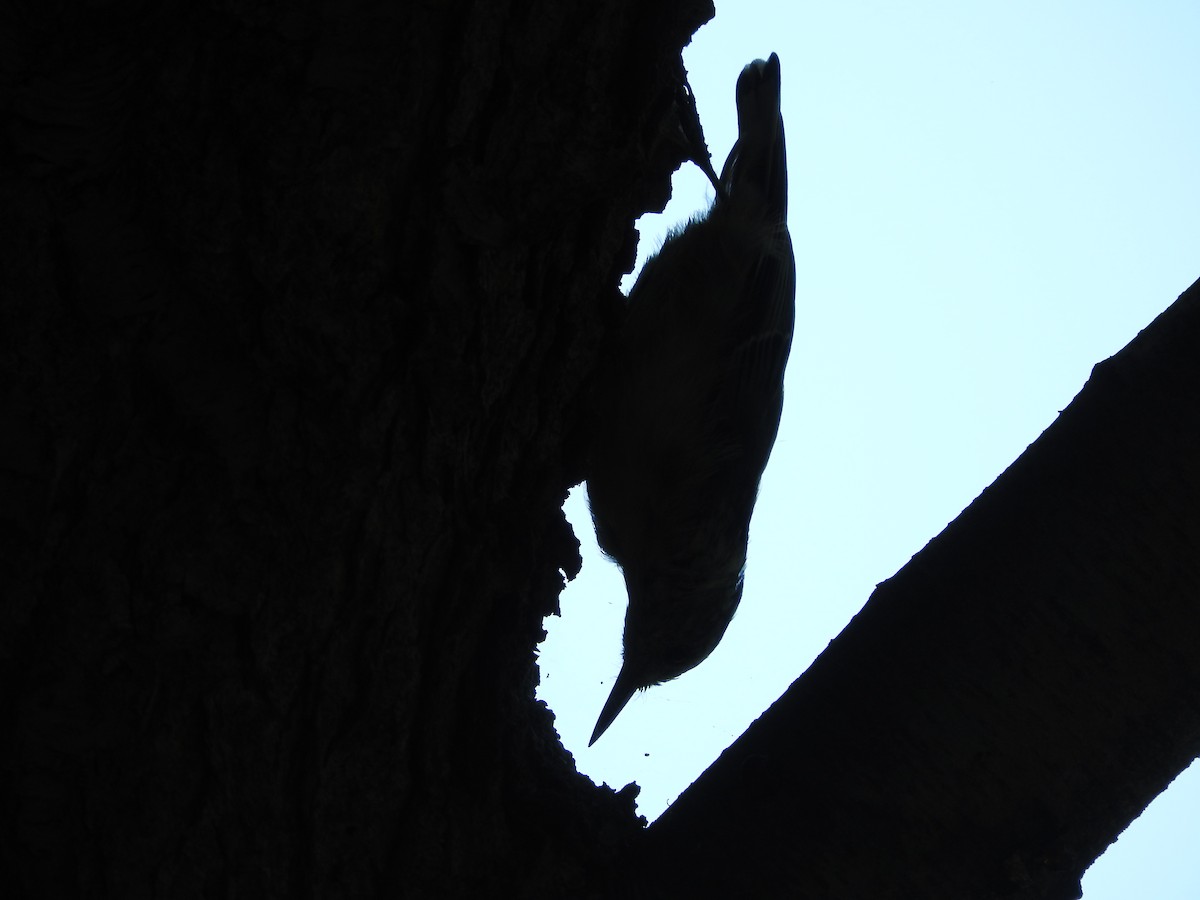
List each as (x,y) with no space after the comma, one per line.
(986,200)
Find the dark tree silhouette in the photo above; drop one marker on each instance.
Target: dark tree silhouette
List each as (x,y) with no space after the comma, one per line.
(299,306)
(1008,702)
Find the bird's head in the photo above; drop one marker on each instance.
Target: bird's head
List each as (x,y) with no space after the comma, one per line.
(675,619)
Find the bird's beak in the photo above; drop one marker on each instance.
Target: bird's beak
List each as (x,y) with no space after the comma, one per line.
(623,689)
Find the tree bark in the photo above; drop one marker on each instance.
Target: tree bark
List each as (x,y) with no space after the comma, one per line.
(300,304)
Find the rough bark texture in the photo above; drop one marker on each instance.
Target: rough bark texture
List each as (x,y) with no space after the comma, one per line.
(298,305)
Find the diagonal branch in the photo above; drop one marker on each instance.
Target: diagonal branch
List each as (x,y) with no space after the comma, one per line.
(1006,704)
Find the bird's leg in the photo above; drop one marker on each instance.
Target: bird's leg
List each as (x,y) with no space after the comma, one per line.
(693,133)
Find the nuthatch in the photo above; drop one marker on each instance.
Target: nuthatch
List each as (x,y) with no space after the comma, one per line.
(688,406)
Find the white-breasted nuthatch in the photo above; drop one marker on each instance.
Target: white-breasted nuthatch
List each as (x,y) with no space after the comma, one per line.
(688,406)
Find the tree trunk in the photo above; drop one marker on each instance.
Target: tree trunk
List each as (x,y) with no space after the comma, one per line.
(300,304)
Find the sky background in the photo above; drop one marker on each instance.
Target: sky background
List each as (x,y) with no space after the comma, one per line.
(986,199)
